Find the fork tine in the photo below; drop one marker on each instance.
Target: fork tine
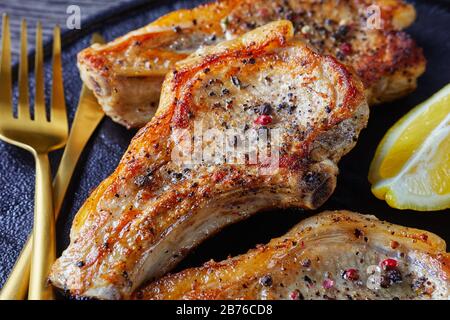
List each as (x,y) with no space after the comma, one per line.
(5,71)
(39,99)
(58,105)
(23,108)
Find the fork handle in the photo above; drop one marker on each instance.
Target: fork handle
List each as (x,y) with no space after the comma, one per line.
(44,247)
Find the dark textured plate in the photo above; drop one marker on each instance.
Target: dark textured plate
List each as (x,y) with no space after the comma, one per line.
(103,152)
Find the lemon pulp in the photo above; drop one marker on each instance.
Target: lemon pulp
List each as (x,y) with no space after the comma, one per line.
(411,167)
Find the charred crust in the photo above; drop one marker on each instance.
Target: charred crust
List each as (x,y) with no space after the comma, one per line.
(399,52)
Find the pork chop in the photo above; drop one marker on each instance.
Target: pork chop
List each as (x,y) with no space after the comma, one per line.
(126,74)
(159,202)
(334,255)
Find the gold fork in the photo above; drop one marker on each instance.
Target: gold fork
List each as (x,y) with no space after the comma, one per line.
(87,117)
(39,136)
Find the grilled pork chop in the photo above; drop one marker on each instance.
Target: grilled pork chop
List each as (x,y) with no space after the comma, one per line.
(334,255)
(146,216)
(126,74)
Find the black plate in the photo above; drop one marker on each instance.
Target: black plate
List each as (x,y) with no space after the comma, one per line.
(102,154)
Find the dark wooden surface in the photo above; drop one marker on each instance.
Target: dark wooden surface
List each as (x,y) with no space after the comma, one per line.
(50,13)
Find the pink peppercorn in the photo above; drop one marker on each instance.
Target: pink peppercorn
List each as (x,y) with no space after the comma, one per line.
(328,283)
(351,274)
(389,264)
(263,120)
(346,48)
(295,295)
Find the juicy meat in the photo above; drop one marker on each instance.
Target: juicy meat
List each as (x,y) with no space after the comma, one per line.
(126,74)
(334,255)
(157,205)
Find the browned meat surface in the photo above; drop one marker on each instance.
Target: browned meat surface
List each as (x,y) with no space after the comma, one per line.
(334,255)
(154,208)
(126,74)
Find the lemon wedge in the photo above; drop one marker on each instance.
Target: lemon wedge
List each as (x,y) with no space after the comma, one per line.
(411,167)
